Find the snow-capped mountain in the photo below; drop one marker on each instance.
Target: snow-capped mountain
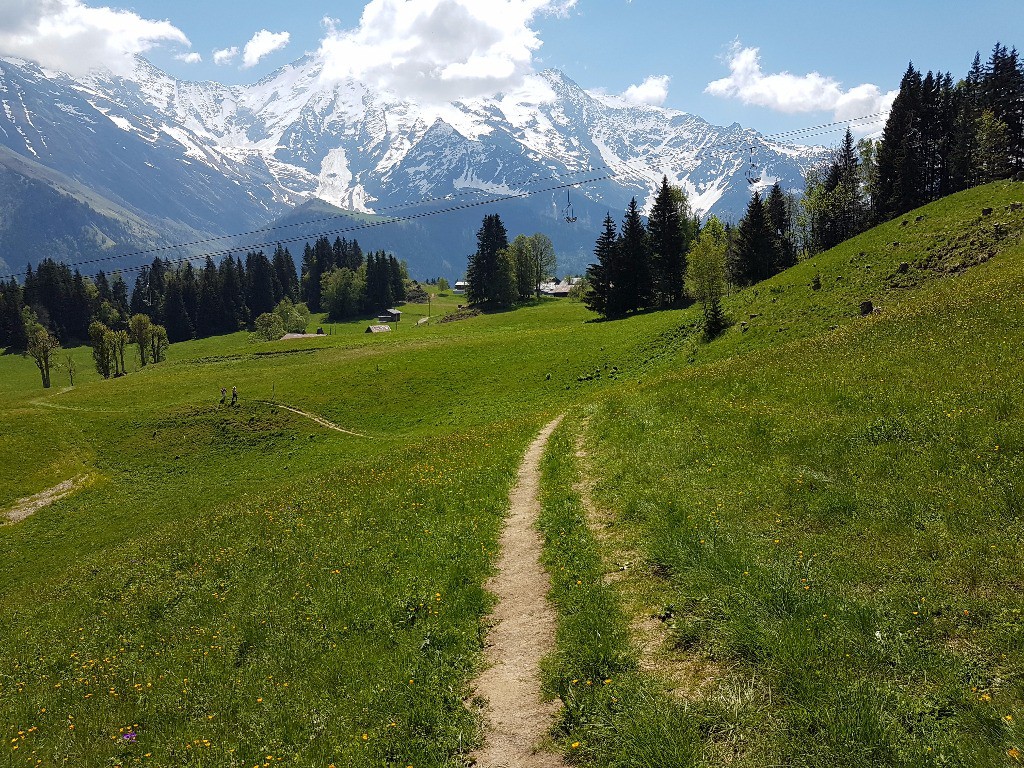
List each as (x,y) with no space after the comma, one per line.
(225,159)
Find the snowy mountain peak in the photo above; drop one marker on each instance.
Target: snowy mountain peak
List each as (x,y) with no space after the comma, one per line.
(224,157)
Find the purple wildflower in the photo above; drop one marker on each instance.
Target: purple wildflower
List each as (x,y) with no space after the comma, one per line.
(130,737)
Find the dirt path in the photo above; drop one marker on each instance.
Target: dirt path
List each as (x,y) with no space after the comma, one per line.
(523,632)
(31,504)
(313,417)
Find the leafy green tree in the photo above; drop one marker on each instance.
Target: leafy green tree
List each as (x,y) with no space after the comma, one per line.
(505,289)
(993,159)
(42,345)
(543,260)
(343,292)
(521,254)
(120,343)
(294,317)
(705,274)
(139,329)
(158,343)
(100,338)
(269,327)
(442,285)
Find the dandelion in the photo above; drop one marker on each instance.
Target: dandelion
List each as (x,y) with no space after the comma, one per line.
(575,745)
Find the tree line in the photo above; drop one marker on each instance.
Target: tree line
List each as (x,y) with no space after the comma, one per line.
(942,136)
(502,274)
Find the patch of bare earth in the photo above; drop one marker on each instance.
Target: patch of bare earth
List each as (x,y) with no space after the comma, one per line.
(31,504)
(516,718)
(638,584)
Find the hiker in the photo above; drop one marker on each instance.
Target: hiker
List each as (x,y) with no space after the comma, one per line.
(234,395)
(223,395)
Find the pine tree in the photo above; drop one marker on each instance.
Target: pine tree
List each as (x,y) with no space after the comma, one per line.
(285,275)
(599,273)
(482,270)
(635,287)
(177,322)
(259,286)
(754,252)
(780,225)
(666,228)
(900,154)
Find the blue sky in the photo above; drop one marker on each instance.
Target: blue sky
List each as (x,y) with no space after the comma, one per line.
(776,66)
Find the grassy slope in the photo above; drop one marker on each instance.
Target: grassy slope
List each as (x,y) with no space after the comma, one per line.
(835,516)
(238,584)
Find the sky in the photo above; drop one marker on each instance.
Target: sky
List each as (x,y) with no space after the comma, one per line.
(773,66)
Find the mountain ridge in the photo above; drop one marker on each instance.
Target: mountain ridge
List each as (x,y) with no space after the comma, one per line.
(223,159)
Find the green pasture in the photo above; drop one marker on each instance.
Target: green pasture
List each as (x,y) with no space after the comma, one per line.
(826,510)
(828,522)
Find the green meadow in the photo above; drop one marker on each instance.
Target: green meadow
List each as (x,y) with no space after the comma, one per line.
(822,510)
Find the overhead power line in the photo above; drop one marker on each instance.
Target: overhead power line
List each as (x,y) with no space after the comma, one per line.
(664,159)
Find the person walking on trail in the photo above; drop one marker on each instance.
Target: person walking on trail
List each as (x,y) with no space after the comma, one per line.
(223,395)
(234,395)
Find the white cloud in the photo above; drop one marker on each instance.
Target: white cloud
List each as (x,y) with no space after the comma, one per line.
(785,92)
(73,37)
(653,91)
(190,58)
(438,50)
(263,43)
(225,55)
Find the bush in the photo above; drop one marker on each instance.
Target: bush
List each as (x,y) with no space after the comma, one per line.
(294,317)
(269,327)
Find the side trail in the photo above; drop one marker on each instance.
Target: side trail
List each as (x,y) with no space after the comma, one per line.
(523,632)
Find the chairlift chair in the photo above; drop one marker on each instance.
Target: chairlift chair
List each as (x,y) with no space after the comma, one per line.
(570,217)
(753,173)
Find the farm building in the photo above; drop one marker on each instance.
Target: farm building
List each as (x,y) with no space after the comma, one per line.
(378,328)
(461,287)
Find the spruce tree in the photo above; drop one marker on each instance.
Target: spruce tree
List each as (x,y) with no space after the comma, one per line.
(634,279)
(482,270)
(754,252)
(666,227)
(599,273)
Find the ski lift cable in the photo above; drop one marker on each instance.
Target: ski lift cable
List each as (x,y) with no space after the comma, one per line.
(365,225)
(789,134)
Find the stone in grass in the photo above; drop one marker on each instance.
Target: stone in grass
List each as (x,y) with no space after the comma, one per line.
(866,308)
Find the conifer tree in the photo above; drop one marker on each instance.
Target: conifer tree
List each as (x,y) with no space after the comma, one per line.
(754,252)
(482,270)
(600,273)
(634,285)
(669,241)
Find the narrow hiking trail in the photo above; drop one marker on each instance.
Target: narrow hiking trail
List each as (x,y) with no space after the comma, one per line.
(313,417)
(31,504)
(523,632)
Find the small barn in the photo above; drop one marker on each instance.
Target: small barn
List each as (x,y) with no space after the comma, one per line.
(378,328)
(461,287)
